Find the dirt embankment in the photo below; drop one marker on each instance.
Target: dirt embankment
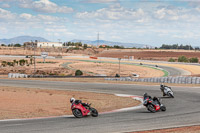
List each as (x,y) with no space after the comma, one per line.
(51,51)
(29,103)
(162,55)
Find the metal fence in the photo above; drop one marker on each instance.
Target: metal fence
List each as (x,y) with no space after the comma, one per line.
(176,80)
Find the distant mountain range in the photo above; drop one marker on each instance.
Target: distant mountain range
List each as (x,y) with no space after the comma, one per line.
(22,39)
(103,42)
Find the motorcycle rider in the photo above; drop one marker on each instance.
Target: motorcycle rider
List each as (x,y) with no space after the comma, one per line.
(162,88)
(155,99)
(73,100)
(146,96)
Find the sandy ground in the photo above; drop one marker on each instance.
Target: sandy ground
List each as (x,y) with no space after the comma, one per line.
(111,69)
(29,103)
(56,68)
(41,68)
(190,129)
(195,70)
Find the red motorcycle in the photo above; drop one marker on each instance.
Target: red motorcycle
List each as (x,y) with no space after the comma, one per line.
(153,105)
(80,111)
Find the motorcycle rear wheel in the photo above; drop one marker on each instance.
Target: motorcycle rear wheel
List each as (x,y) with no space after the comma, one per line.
(94,112)
(77,113)
(151,108)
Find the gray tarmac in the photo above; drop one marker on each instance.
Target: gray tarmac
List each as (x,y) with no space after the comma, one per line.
(181,111)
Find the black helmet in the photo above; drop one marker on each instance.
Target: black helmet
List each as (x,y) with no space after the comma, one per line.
(145,94)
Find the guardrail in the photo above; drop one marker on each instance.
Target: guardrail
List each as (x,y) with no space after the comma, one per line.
(17,75)
(176,80)
(56,76)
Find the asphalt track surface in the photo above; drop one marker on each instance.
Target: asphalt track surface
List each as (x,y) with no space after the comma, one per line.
(183,110)
(172,71)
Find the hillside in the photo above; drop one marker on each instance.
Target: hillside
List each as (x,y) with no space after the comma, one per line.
(22,39)
(110,43)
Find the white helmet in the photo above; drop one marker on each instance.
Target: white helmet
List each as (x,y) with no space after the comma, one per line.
(72,100)
(161,85)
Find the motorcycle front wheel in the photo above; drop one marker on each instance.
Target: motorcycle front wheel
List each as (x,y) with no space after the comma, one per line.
(163,108)
(77,113)
(151,108)
(94,112)
(170,94)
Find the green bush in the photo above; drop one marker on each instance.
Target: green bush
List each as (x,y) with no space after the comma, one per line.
(10,63)
(171,60)
(117,75)
(78,73)
(22,62)
(4,63)
(194,60)
(182,59)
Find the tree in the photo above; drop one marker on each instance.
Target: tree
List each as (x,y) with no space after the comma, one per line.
(14,62)
(17,45)
(10,63)
(22,62)
(171,60)
(4,63)
(176,46)
(78,73)
(3,45)
(10,45)
(31,60)
(85,46)
(182,59)
(197,48)
(194,60)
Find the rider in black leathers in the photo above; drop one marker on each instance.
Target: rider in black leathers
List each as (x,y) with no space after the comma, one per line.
(155,99)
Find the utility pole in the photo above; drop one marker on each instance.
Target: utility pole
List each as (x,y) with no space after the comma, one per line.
(119,65)
(34,57)
(98,39)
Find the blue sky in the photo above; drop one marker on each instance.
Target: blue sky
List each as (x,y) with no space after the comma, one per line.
(153,22)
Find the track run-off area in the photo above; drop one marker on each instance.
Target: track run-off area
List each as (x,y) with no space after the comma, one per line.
(183,110)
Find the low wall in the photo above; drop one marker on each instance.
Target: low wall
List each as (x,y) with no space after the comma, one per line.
(17,75)
(176,80)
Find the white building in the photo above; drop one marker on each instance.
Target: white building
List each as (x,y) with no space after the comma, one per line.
(49,44)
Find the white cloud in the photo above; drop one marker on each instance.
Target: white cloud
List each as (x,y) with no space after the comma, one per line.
(6,0)
(44,6)
(5,5)
(114,12)
(186,35)
(26,16)
(99,1)
(176,14)
(6,15)
(59,31)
